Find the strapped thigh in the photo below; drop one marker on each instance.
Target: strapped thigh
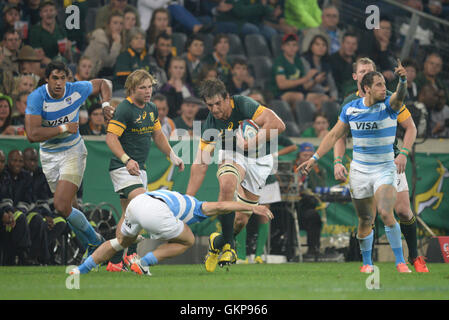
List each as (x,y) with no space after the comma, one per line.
(229,168)
(244,200)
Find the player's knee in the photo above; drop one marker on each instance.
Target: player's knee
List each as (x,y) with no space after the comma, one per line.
(240,221)
(227,190)
(403,212)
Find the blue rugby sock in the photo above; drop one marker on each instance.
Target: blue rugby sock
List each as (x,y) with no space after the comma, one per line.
(78,220)
(81,237)
(394,238)
(366,247)
(149,259)
(87,265)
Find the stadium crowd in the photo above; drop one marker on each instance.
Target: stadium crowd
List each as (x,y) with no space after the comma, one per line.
(298,54)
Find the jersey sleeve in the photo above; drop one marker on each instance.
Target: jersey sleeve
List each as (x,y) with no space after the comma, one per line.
(207,142)
(248,107)
(387,103)
(85,88)
(119,121)
(35,103)
(198,211)
(404,114)
(157,122)
(343,116)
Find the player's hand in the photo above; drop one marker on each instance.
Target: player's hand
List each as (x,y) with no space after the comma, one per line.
(263,211)
(50,222)
(133,167)
(72,127)
(400,162)
(340,172)
(108,112)
(8,219)
(177,161)
(400,70)
(305,167)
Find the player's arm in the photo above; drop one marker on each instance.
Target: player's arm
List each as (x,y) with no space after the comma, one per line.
(397,98)
(199,167)
(113,142)
(35,132)
(340,171)
(338,131)
(268,122)
(409,140)
(103,87)
(224,207)
(163,145)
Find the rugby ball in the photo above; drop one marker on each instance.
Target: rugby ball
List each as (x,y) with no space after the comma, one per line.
(248,129)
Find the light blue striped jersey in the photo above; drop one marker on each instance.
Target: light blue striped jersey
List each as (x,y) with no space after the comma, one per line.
(373,130)
(185,208)
(55,112)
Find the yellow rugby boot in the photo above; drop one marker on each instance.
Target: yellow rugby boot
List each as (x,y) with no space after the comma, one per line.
(211,259)
(228,256)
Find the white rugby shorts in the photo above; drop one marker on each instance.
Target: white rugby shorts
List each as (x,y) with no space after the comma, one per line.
(121,179)
(364,185)
(257,170)
(67,165)
(152,215)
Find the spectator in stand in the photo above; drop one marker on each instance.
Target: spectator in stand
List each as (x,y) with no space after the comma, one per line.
(24,82)
(162,53)
(184,122)
(431,73)
(438,8)
(378,44)
(341,64)
(411,67)
(289,81)
(277,19)
(241,80)
(84,69)
(102,17)
(18,119)
(48,37)
(167,124)
(439,116)
(319,128)
(78,36)
(30,12)
(105,45)
(219,57)
(194,50)
(160,23)
(329,27)
(317,58)
(5,115)
(308,215)
(207,72)
(42,196)
(95,125)
(135,57)
(10,15)
(248,16)
(176,89)
(129,23)
(14,231)
(183,19)
(10,50)
(302,14)
(30,63)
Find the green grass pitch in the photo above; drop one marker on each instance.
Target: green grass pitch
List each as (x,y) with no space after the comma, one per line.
(290,281)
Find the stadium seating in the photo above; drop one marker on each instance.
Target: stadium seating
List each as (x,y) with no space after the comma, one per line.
(304,112)
(292,129)
(179,40)
(331,110)
(261,67)
(256,45)
(235,44)
(276,43)
(208,44)
(282,109)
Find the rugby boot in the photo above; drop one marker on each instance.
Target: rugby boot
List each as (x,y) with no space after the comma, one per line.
(228,256)
(402,268)
(367,268)
(420,264)
(211,259)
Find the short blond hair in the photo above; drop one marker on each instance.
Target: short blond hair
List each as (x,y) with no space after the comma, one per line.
(136,78)
(363,60)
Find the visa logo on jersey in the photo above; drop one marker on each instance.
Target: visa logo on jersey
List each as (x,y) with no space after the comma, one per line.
(57,122)
(366,125)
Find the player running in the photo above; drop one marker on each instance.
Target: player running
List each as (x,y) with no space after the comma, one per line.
(165,215)
(373,175)
(407,220)
(129,135)
(238,174)
(51,118)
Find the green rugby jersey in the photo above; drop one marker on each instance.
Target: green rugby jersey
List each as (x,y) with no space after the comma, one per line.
(403,115)
(243,108)
(134,126)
